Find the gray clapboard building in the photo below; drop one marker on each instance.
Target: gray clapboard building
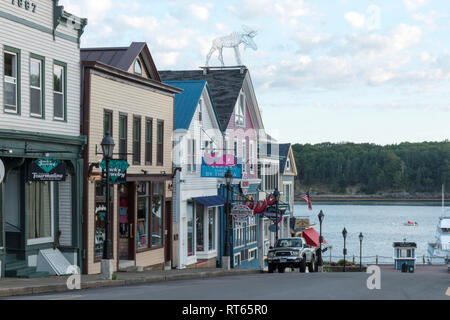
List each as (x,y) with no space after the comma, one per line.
(40,143)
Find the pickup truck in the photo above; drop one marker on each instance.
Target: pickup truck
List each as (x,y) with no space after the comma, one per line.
(292,253)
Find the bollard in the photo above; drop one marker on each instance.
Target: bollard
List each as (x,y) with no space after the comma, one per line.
(423,259)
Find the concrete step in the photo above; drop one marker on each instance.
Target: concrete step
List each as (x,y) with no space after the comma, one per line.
(36,275)
(25,271)
(14,265)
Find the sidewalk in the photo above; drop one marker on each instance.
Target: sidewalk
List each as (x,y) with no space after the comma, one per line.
(19,287)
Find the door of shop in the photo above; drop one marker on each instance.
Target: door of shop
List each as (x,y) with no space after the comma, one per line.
(127,208)
(168,232)
(14,219)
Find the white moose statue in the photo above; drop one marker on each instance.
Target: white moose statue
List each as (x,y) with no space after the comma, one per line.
(233,41)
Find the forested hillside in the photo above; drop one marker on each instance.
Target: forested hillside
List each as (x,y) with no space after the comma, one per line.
(370,169)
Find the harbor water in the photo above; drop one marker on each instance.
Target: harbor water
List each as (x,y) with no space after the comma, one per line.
(381,224)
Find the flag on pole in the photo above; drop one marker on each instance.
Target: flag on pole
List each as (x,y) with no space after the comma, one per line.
(307,198)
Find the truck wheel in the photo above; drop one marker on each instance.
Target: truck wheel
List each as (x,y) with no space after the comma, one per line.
(302,267)
(271,268)
(280,269)
(312,265)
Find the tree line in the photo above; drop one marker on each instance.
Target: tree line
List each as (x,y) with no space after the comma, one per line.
(406,167)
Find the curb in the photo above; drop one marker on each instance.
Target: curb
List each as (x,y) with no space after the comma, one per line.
(24,291)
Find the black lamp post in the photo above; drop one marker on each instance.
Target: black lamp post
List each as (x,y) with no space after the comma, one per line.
(276,194)
(361,237)
(228,182)
(321,215)
(344,234)
(107,148)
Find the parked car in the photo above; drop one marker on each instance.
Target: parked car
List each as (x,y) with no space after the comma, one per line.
(292,253)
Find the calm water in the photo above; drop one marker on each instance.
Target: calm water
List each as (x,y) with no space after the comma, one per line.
(380,224)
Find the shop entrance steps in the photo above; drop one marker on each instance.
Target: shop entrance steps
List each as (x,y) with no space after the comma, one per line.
(15,268)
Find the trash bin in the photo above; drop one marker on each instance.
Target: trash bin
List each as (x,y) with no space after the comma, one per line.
(411,269)
(404,267)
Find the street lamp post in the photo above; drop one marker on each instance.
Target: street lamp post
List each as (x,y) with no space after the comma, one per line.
(321,216)
(228,181)
(344,234)
(276,194)
(361,237)
(107,148)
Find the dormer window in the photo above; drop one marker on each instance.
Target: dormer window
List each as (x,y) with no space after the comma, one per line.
(138,67)
(240,111)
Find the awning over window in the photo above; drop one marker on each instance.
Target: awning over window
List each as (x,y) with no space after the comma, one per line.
(212,201)
(312,237)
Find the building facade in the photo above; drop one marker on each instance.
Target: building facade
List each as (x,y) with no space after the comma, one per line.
(240,119)
(197,143)
(40,143)
(123,95)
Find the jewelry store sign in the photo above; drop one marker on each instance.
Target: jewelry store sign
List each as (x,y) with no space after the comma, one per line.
(47,170)
(117,171)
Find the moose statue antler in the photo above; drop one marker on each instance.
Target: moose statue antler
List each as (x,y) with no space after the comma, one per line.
(233,41)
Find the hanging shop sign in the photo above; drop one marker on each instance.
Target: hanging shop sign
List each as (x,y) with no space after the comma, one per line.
(47,170)
(241,212)
(245,185)
(2,171)
(271,214)
(117,171)
(216,167)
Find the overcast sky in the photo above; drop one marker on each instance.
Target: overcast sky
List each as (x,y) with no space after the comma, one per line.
(325,70)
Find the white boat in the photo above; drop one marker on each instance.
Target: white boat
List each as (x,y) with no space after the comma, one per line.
(440,249)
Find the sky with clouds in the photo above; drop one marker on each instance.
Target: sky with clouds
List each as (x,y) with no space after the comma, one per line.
(325,70)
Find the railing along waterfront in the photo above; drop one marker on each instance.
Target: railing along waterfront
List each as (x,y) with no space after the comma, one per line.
(384,260)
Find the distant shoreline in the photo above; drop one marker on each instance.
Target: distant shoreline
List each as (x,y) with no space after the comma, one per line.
(352,198)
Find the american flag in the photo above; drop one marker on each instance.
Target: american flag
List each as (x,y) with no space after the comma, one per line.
(307,198)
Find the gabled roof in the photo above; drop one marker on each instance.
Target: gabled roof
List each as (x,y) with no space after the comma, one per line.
(285,151)
(186,102)
(122,57)
(225,86)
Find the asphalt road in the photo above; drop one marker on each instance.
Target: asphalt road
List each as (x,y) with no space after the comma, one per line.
(288,286)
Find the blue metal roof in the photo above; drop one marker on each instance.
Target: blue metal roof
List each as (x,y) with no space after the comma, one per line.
(212,201)
(186,102)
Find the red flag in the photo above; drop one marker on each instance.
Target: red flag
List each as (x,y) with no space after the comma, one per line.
(307,198)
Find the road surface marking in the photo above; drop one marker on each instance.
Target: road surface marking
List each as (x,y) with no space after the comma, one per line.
(448,292)
(68,297)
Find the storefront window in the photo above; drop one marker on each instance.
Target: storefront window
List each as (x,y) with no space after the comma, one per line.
(142,215)
(199,227)
(100,217)
(38,210)
(157,222)
(211,229)
(190,229)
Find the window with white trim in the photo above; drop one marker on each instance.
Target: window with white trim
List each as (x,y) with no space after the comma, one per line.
(59,75)
(252,157)
(138,67)
(200,111)
(10,81)
(36,85)
(251,230)
(244,156)
(191,155)
(252,254)
(240,111)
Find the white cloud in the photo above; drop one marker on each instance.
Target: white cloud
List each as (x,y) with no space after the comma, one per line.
(356,20)
(95,11)
(413,5)
(200,12)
